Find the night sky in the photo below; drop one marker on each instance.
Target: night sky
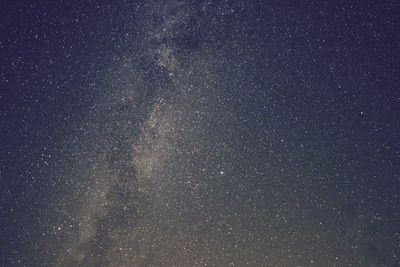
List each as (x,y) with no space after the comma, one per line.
(194,133)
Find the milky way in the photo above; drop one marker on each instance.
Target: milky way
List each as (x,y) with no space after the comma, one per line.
(216,134)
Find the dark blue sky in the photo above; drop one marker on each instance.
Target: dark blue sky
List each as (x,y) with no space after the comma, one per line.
(237,132)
